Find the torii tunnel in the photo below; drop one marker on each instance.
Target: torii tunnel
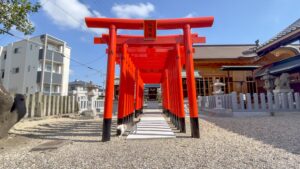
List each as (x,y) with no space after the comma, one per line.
(150,59)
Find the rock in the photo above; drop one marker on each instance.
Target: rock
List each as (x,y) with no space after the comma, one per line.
(88,114)
(11,110)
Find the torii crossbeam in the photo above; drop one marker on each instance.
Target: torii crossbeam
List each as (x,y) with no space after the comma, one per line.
(150,59)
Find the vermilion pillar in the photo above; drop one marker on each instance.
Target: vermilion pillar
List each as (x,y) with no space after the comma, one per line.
(137,92)
(121,108)
(181,113)
(191,86)
(108,104)
(167,92)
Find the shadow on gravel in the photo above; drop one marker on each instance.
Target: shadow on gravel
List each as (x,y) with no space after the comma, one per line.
(77,131)
(281,132)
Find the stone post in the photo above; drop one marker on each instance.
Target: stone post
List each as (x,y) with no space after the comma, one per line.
(27,99)
(31,105)
(249,102)
(270,101)
(291,101)
(38,105)
(61,105)
(297,100)
(56,105)
(242,102)
(44,103)
(234,101)
(263,101)
(255,99)
(65,104)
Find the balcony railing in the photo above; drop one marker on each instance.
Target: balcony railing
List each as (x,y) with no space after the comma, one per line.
(57,56)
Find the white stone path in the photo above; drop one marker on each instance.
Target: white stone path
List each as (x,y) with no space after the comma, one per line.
(152,126)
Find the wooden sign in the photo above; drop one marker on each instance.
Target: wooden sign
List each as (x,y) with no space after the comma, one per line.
(150,27)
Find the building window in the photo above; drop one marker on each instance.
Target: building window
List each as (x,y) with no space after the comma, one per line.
(56,68)
(56,89)
(46,88)
(16,70)
(27,90)
(2,74)
(16,50)
(39,67)
(5,55)
(48,68)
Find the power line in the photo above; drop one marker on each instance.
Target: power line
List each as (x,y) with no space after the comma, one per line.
(40,44)
(75,19)
(93,61)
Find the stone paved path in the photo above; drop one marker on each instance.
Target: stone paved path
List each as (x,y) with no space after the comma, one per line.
(152,126)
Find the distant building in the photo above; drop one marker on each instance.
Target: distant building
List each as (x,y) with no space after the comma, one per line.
(39,64)
(86,93)
(84,90)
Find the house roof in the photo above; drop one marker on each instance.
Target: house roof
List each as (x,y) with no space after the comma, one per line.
(223,51)
(289,65)
(82,83)
(238,68)
(287,36)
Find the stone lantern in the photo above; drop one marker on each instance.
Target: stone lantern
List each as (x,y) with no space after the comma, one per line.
(92,93)
(269,82)
(218,92)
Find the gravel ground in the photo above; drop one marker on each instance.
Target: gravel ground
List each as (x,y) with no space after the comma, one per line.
(257,142)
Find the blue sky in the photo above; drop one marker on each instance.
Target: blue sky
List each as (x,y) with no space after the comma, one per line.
(236,21)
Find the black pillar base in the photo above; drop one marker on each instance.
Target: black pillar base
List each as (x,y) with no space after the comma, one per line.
(120,121)
(195,127)
(176,122)
(168,113)
(136,113)
(106,130)
(182,125)
(132,118)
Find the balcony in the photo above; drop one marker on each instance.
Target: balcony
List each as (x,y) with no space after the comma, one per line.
(56,78)
(57,57)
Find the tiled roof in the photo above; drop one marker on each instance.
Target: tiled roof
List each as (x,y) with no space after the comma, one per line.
(82,83)
(291,64)
(290,34)
(223,51)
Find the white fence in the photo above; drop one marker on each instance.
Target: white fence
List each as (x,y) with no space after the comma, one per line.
(253,102)
(97,105)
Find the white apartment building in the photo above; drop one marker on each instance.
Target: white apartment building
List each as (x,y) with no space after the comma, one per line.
(39,64)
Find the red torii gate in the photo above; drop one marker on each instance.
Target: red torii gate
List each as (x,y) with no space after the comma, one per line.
(159,60)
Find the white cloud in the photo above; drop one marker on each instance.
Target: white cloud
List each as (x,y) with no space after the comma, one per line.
(141,10)
(71,72)
(190,15)
(70,14)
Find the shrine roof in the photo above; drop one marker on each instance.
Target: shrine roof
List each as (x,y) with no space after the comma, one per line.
(223,51)
(285,37)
